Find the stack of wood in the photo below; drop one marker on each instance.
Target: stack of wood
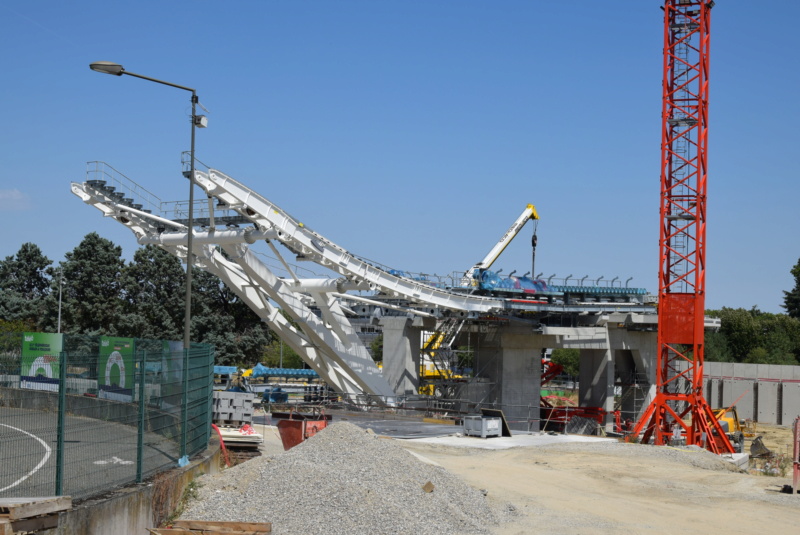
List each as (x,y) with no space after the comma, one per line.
(205,527)
(22,515)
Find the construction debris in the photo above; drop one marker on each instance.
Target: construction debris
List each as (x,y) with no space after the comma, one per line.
(21,515)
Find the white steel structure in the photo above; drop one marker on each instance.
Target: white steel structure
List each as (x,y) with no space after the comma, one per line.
(326,340)
(329,344)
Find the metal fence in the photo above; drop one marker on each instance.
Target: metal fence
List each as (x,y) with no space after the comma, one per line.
(99,421)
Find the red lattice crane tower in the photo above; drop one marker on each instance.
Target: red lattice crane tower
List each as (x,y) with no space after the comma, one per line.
(679,408)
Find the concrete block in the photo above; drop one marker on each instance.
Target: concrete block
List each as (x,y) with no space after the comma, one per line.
(767,402)
(790,403)
(732,389)
(787,372)
(714,392)
(222,404)
(726,369)
(712,369)
(769,371)
(744,371)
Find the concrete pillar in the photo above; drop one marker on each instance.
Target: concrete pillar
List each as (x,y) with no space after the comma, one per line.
(511,360)
(631,392)
(596,380)
(401,352)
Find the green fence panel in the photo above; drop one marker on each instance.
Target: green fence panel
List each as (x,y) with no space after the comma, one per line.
(115,415)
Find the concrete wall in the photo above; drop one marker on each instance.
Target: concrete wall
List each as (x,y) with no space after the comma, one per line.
(135,509)
(768,396)
(743,390)
(773,391)
(791,402)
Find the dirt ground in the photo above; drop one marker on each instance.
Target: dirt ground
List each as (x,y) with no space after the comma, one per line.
(586,488)
(579,488)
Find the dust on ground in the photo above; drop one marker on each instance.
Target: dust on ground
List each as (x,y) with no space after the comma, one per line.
(588,488)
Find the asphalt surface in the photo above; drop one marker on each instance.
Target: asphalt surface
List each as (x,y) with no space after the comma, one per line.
(98,455)
(445,434)
(394,428)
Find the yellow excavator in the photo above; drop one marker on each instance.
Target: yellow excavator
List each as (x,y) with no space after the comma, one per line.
(730,422)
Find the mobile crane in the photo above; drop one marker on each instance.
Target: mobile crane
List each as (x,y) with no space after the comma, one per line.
(529,212)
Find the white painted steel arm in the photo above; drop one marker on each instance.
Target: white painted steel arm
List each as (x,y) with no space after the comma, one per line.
(350,354)
(528,213)
(313,246)
(345,366)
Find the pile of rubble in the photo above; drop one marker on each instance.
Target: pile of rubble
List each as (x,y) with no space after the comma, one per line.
(343,480)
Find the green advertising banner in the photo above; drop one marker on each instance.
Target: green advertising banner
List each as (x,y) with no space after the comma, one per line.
(40,354)
(115,366)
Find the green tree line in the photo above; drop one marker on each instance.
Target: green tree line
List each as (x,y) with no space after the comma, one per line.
(749,336)
(94,291)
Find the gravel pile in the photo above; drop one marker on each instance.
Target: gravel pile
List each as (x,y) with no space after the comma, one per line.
(343,480)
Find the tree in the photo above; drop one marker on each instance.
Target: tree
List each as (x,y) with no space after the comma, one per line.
(376,348)
(91,295)
(741,331)
(755,337)
(716,348)
(24,285)
(220,318)
(279,354)
(791,300)
(570,359)
(153,285)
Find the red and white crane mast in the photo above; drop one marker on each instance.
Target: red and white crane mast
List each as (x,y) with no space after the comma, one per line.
(679,408)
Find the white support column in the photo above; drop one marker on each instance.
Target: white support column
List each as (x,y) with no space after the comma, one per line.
(355,357)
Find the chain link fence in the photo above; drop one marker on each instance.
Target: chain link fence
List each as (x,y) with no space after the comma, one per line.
(98,413)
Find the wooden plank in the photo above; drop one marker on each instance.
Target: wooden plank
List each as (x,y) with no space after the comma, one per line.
(18,508)
(224,527)
(35,524)
(182,531)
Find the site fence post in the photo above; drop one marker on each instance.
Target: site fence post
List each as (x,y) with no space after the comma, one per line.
(209,392)
(140,432)
(185,402)
(60,430)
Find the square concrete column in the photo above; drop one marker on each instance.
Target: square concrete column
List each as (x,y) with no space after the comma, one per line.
(401,352)
(597,380)
(512,361)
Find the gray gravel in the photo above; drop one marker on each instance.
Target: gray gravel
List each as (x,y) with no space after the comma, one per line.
(343,480)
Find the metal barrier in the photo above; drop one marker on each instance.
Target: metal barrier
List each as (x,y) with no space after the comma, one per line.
(97,421)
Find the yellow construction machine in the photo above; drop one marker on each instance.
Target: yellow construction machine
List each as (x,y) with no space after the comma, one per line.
(733,426)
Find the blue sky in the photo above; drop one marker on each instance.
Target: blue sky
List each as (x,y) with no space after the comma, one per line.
(412,132)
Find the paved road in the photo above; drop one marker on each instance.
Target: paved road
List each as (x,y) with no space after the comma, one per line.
(394,428)
(98,455)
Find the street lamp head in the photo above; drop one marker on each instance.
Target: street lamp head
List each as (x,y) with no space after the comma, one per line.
(107,67)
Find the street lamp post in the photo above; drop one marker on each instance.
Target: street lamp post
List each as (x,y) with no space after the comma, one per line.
(116,69)
(60,287)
